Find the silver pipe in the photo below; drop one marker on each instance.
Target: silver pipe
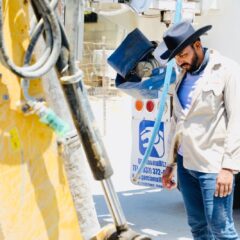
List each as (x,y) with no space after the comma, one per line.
(114,204)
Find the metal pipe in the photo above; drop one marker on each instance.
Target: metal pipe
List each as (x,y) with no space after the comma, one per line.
(114,205)
(86,126)
(93,146)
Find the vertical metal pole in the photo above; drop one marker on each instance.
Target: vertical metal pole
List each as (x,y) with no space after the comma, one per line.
(74,26)
(80,31)
(104,84)
(113,204)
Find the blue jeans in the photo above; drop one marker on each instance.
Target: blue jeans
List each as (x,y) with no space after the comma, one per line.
(209,217)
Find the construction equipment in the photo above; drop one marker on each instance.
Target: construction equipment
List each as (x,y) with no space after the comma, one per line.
(36,202)
(59,52)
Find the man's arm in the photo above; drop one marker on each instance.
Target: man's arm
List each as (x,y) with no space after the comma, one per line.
(231,160)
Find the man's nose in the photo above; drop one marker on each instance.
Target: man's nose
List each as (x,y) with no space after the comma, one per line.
(179,61)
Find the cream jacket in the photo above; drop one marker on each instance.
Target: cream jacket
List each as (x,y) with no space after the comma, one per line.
(209,131)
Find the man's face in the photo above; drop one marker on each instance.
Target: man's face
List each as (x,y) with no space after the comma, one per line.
(188,59)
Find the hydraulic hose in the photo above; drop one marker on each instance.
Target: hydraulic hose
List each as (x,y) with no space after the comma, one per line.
(157,123)
(36,70)
(35,35)
(46,115)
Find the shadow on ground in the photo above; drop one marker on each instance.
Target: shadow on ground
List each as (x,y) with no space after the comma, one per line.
(149,211)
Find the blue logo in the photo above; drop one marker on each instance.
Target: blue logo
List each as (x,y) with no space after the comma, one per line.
(145,133)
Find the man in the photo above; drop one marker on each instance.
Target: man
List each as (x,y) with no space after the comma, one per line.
(205,132)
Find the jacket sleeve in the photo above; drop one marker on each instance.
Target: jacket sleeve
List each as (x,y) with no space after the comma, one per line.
(231,158)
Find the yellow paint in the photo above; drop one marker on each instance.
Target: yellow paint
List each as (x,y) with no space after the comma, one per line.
(15,140)
(35,201)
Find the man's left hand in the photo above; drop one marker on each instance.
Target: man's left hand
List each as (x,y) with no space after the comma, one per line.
(224,183)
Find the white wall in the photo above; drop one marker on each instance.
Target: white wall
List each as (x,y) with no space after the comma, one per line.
(225,34)
(152,28)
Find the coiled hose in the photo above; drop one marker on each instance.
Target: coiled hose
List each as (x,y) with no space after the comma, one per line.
(54,43)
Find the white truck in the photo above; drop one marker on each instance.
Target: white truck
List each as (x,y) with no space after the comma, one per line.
(224,36)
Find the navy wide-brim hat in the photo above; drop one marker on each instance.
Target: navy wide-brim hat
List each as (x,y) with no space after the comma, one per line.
(131,51)
(179,36)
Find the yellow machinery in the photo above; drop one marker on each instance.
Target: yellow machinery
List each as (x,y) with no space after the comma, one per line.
(35,201)
(35,198)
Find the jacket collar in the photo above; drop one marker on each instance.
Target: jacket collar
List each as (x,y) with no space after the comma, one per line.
(215,60)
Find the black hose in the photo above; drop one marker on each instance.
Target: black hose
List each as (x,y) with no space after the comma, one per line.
(36,70)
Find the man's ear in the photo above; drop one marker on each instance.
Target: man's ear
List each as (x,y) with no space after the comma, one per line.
(198,45)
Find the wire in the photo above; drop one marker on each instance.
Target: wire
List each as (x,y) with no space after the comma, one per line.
(35,35)
(54,42)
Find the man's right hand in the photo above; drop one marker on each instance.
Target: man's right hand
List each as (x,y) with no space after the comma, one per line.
(167,178)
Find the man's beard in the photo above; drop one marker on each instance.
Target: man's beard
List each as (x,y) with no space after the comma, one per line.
(194,65)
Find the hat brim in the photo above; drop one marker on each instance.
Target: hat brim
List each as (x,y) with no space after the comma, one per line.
(171,54)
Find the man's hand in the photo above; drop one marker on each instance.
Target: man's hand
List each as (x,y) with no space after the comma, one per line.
(224,183)
(167,178)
